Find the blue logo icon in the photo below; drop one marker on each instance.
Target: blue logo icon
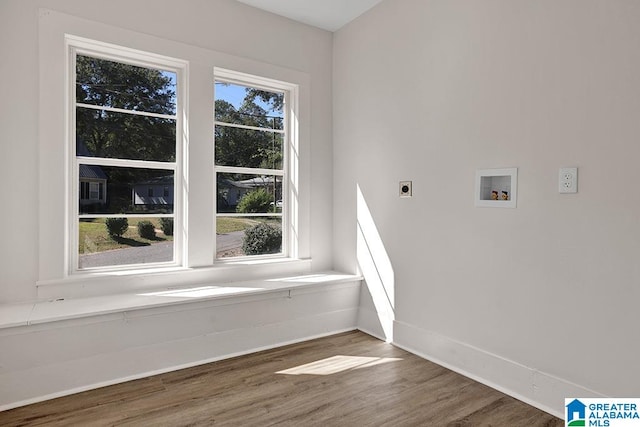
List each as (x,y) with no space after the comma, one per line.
(576,413)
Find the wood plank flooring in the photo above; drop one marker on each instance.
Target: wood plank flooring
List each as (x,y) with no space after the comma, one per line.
(349,379)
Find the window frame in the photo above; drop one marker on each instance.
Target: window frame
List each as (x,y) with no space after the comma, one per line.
(75,46)
(54,278)
(289,144)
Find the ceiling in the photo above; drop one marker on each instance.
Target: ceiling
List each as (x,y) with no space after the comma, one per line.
(329,15)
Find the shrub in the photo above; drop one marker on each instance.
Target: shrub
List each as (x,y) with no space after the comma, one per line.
(146,230)
(116,227)
(261,239)
(255,201)
(167,226)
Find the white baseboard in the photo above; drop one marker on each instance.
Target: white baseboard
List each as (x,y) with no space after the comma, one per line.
(538,389)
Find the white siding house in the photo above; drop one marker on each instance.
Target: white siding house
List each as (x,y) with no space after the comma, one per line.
(154,192)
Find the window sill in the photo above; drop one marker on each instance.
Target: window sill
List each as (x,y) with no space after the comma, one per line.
(42,312)
(101,283)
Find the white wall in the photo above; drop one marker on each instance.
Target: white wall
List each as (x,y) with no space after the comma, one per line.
(540,300)
(222,25)
(60,357)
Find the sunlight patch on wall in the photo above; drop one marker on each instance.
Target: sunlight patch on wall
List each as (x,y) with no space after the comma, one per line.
(337,364)
(375,266)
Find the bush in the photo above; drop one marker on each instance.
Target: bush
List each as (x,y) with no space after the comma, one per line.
(146,230)
(116,227)
(262,239)
(167,226)
(255,201)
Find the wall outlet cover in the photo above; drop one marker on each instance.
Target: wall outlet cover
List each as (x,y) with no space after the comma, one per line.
(568,180)
(406,189)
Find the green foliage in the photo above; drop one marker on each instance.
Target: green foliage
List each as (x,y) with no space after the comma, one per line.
(167,226)
(146,230)
(244,147)
(116,227)
(262,239)
(117,85)
(256,201)
(274,100)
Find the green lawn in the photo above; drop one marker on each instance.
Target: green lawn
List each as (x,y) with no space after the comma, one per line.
(228,225)
(93,236)
(231,224)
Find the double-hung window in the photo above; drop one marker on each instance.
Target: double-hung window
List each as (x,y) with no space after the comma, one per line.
(251,157)
(125,122)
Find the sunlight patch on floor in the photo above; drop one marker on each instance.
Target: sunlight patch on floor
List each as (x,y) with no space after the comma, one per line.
(337,364)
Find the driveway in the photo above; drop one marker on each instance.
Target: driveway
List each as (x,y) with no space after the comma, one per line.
(157,252)
(229,241)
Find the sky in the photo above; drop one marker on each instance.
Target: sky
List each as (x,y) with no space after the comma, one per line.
(234,94)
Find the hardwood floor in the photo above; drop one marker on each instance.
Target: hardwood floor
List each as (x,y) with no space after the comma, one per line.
(349,379)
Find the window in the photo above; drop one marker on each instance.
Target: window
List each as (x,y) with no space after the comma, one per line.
(142,116)
(94,193)
(125,118)
(251,116)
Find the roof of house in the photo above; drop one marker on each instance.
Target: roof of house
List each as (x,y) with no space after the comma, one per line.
(88,171)
(159,180)
(91,172)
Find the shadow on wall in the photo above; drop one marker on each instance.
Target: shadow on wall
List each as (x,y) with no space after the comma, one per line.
(375,266)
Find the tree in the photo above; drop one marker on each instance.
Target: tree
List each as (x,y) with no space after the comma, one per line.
(245,147)
(110,134)
(274,100)
(255,201)
(119,135)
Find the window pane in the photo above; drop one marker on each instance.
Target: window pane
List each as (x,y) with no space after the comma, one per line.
(117,85)
(94,191)
(243,236)
(126,190)
(248,106)
(249,193)
(248,148)
(112,135)
(123,241)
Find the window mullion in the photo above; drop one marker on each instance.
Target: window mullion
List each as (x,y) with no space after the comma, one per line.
(258,128)
(258,215)
(124,111)
(127,215)
(140,164)
(248,171)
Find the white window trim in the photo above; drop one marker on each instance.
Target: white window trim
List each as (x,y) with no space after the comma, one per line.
(53,279)
(81,46)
